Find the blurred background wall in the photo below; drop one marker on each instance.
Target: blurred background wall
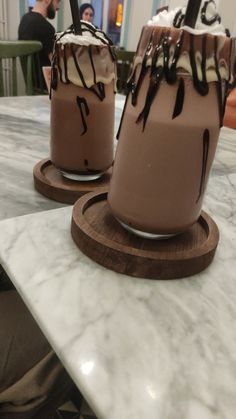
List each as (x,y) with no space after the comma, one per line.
(121,19)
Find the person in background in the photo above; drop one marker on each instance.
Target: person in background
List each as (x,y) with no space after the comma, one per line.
(87,12)
(35,26)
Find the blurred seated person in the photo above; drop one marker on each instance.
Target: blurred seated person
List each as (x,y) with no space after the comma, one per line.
(87,12)
(33,382)
(35,26)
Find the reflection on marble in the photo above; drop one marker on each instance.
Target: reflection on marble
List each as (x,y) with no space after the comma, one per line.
(24,140)
(136,348)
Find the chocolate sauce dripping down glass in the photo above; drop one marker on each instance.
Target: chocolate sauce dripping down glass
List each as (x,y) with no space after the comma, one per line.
(156,76)
(156,79)
(203,64)
(122,116)
(166,51)
(134,86)
(54,75)
(83,106)
(98,89)
(77,66)
(168,71)
(179,103)
(57,62)
(100,92)
(172,74)
(158,73)
(200,86)
(219,84)
(65,65)
(205,152)
(92,64)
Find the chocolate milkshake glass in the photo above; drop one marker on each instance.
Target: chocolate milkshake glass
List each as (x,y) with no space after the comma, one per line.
(82,104)
(169,130)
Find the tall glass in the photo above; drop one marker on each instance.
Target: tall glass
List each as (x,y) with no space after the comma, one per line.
(82,109)
(169,130)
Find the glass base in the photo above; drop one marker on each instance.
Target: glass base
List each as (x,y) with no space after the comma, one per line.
(81,177)
(146,235)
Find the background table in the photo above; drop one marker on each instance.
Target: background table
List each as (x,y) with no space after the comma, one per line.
(25,140)
(135,348)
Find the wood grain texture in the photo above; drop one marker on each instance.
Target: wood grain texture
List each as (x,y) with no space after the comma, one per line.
(99,235)
(49,182)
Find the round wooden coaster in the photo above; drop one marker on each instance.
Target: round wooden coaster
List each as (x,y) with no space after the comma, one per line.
(49,182)
(99,235)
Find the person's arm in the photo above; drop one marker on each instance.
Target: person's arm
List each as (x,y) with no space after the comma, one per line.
(47,34)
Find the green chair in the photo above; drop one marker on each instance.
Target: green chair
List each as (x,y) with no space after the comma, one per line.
(27,51)
(124,61)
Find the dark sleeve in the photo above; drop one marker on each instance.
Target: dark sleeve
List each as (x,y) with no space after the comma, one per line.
(33,26)
(46,35)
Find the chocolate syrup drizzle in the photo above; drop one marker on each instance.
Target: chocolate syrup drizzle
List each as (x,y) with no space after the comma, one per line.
(200,86)
(122,116)
(98,89)
(179,19)
(205,152)
(167,70)
(179,103)
(83,107)
(80,73)
(219,86)
(213,19)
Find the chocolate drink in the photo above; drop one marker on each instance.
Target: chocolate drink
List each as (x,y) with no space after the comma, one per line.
(82,109)
(169,130)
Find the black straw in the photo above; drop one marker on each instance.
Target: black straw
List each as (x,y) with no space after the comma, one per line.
(192,11)
(75,17)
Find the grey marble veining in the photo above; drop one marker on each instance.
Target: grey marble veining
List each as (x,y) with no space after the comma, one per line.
(24,140)
(136,348)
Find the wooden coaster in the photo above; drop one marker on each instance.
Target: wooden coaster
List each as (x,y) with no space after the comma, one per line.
(99,235)
(49,182)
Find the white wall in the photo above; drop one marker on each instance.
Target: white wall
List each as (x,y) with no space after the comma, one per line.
(67,19)
(227,10)
(13,16)
(141,12)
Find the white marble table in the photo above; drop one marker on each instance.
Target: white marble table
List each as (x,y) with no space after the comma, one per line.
(136,348)
(24,140)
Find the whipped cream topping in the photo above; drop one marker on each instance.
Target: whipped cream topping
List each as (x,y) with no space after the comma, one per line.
(208,20)
(90,36)
(85,60)
(164,18)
